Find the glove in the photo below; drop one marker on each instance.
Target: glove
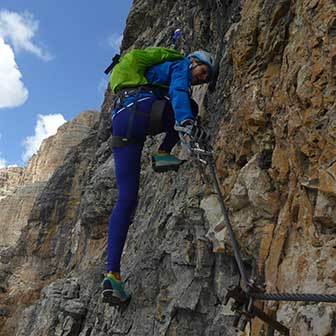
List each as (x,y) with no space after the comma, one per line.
(184,130)
(190,130)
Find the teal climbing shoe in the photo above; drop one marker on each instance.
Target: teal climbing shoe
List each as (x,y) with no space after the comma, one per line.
(114,292)
(163,162)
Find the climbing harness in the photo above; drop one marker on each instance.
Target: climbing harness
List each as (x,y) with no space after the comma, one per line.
(248,290)
(155,115)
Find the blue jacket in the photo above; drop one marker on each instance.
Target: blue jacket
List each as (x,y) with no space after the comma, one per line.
(176,75)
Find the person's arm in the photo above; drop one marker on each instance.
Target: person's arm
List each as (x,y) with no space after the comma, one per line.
(179,92)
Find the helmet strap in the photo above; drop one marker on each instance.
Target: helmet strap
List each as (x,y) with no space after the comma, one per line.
(195,65)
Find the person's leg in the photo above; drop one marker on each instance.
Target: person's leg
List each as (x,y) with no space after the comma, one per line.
(170,140)
(163,161)
(127,170)
(132,120)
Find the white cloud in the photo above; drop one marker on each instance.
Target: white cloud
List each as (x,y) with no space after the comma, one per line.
(3,162)
(46,126)
(114,41)
(19,30)
(12,91)
(16,34)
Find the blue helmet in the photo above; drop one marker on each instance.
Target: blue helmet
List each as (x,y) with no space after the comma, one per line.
(204,57)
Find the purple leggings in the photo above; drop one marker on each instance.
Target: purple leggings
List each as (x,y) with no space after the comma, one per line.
(127,168)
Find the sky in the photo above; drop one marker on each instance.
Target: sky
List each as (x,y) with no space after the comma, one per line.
(52,60)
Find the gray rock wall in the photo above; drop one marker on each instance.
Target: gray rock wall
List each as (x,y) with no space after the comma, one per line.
(274,161)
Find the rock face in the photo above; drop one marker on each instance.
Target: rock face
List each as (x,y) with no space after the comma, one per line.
(55,148)
(10,179)
(19,187)
(272,121)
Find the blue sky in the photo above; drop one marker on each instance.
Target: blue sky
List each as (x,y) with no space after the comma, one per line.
(52,60)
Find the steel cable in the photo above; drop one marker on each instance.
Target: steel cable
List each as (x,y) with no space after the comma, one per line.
(249,290)
(294,297)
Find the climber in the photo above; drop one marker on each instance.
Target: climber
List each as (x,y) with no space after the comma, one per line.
(130,119)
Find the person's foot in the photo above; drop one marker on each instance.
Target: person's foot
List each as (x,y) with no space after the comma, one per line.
(114,291)
(162,162)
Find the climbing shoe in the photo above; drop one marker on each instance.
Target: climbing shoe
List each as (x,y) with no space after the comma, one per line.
(163,162)
(114,292)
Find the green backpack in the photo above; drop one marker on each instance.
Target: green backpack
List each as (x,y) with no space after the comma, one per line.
(131,68)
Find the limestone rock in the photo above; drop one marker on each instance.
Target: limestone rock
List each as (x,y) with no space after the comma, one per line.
(10,179)
(54,149)
(60,308)
(217,232)
(272,121)
(15,210)
(19,187)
